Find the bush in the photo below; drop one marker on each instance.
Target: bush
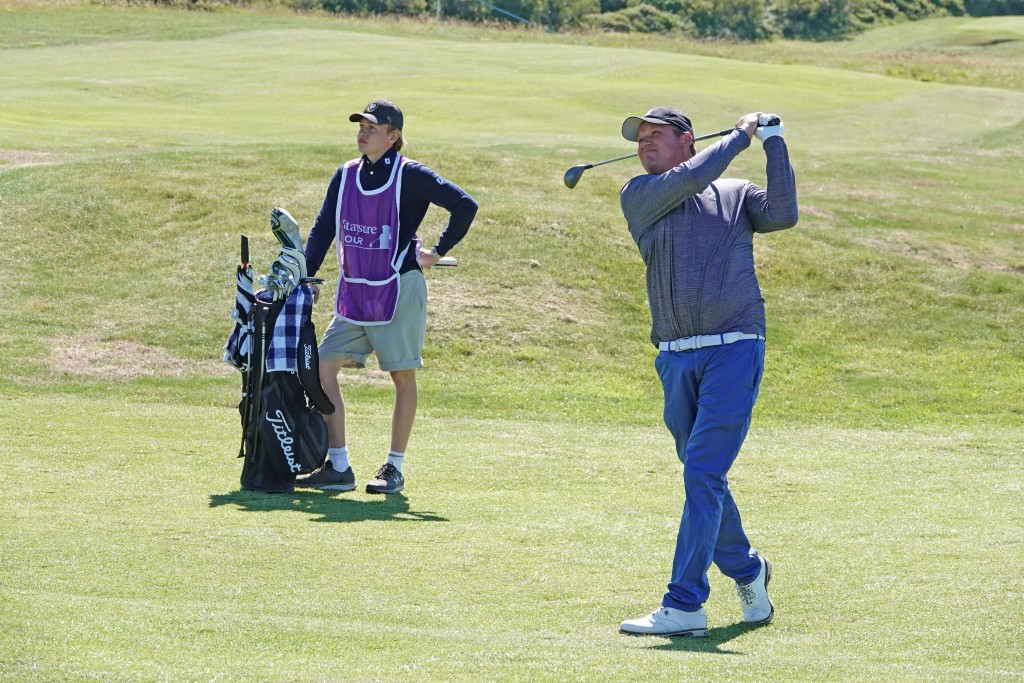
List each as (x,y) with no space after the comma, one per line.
(375,6)
(642,18)
(988,8)
(468,10)
(558,13)
(812,19)
(743,19)
(869,13)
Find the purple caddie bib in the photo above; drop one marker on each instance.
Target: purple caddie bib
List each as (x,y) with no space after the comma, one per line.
(368,258)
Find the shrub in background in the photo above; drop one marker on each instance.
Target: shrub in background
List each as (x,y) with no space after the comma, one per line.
(812,19)
(642,18)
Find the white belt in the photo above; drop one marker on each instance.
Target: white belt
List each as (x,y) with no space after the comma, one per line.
(700,341)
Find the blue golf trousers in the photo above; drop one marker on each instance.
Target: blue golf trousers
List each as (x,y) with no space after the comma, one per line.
(709,397)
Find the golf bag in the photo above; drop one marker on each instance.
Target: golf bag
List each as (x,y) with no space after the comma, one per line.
(274,345)
(283,429)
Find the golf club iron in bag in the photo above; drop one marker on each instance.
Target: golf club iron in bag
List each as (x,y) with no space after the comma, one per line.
(273,344)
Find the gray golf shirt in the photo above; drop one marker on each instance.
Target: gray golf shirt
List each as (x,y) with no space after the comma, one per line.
(696,236)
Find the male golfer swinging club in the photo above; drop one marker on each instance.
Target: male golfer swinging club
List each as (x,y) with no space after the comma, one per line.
(695,235)
(373,207)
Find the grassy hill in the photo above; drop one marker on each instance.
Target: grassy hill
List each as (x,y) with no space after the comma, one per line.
(136,144)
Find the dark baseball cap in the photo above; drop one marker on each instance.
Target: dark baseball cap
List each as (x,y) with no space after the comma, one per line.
(380,112)
(669,115)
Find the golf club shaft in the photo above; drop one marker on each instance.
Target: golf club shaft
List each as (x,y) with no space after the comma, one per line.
(714,135)
(573,175)
(630,156)
(609,161)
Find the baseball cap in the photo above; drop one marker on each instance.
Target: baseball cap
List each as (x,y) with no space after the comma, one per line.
(379,112)
(669,115)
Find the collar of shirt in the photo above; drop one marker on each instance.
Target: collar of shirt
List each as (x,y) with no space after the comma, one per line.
(374,175)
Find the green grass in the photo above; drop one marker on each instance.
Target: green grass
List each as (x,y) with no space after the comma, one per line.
(140,559)
(882,475)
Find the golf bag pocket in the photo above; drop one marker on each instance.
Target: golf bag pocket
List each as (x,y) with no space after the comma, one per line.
(288,439)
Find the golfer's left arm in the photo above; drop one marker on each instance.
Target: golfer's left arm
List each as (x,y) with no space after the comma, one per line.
(775,208)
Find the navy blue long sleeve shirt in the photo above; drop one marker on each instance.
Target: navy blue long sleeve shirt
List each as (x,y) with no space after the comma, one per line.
(421,187)
(695,233)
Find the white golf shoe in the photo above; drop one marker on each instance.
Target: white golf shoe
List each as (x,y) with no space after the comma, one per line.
(757,606)
(668,621)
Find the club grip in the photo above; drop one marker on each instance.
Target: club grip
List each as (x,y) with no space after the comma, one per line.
(245,249)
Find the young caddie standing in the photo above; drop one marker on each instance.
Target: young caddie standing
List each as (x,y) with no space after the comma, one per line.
(695,234)
(373,208)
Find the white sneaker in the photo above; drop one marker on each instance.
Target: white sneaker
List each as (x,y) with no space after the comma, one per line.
(757,606)
(668,621)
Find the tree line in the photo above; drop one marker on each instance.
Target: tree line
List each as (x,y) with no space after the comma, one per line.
(749,20)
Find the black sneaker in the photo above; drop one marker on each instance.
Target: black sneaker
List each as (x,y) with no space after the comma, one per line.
(326,478)
(387,480)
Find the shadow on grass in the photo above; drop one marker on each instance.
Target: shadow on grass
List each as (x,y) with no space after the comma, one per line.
(712,644)
(327,506)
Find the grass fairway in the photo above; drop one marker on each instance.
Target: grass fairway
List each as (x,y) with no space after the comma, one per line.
(882,475)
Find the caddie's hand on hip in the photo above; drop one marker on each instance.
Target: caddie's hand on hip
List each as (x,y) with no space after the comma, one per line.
(748,123)
(316,292)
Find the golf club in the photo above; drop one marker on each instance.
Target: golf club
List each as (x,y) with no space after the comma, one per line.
(285,229)
(573,175)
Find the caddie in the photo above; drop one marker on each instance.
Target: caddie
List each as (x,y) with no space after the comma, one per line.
(373,208)
(695,234)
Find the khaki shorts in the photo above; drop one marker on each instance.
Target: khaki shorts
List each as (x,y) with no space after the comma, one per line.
(398,344)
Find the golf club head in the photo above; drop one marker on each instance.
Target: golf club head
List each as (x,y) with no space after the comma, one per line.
(286,275)
(294,260)
(272,284)
(573,175)
(285,229)
(282,272)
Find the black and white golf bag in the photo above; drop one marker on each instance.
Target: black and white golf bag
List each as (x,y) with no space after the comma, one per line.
(274,345)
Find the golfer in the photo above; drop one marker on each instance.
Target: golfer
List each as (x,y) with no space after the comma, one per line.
(373,207)
(695,234)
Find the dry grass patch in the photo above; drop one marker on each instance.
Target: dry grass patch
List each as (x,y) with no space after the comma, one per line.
(17,158)
(369,376)
(123,360)
(934,252)
(497,311)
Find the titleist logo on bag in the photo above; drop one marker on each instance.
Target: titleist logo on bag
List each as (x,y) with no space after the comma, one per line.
(284,436)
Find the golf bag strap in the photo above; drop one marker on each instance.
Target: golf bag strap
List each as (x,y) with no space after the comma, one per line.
(309,369)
